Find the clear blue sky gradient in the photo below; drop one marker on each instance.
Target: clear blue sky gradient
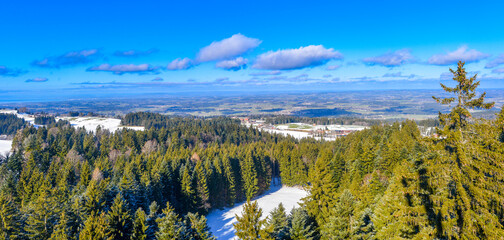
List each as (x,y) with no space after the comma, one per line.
(368,35)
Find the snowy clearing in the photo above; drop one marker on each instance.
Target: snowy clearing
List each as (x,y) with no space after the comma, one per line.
(91,123)
(5,146)
(221,221)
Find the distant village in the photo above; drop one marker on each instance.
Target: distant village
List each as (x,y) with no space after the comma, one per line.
(303,130)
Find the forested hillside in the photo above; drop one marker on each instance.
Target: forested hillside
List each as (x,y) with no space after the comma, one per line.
(10,123)
(385,182)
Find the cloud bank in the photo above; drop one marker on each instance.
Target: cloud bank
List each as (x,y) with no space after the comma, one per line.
(309,56)
(125,68)
(228,48)
(134,53)
(498,70)
(10,72)
(234,64)
(68,59)
(180,64)
(461,54)
(390,59)
(495,62)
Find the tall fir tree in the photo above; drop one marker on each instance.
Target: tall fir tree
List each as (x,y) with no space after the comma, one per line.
(9,219)
(140,226)
(95,227)
(119,220)
(169,225)
(301,226)
(249,225)
(42,214)
(339,223)
(277,224)
(61,229)
(322,188)
(249,176)
(197,227)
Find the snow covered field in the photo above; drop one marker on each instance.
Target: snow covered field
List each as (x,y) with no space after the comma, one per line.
(91,123)
(5,146)
(221,221)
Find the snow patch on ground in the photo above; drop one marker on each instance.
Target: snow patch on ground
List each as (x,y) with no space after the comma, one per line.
(221,221)
(5,146)
(295,134)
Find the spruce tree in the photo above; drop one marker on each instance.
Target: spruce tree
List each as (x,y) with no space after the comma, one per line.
(202,188)
(139,231)
(457,119)
(42,215)
(169,225)
(278,222)
(401,212)
(119,220)
(197,227)
(61,230)
(249,226)
(9,219)
(339,223)
(95,227)
(466,168)
(301,227)
(249,176)
(322,188)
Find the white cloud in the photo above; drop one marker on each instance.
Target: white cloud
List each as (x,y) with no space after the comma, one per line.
(498,70)
(496,62)
(266,73)
(333,67)
(309,56)
(180,64)
(235,64)
(390,59)
(461,54)
(68,59)
(125,68)
(228,48)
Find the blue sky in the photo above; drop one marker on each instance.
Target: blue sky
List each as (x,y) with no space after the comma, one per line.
(92,47)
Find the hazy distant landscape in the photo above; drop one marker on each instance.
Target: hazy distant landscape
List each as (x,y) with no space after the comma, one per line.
(391,104)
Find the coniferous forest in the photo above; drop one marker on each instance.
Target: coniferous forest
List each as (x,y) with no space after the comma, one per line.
(384,182)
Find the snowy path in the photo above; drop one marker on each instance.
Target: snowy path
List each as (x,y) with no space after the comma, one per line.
(5,146)
(221,221)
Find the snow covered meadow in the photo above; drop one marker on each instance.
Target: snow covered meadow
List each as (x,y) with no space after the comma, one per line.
(221,221)
(91,123)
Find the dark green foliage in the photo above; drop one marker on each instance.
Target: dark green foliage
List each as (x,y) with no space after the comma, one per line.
(95,227)
(10,124)
(301,225)
(44,120)
(119,220)
(169,225)
(9,220)
(196,227)
(277,224)
(249,177)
